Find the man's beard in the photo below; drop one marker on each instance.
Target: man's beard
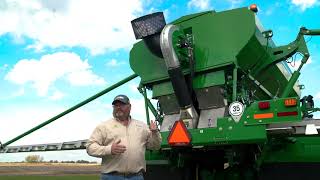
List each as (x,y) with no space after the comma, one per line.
(120,115)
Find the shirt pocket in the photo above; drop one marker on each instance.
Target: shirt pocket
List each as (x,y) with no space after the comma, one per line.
(140,133)
(111,135)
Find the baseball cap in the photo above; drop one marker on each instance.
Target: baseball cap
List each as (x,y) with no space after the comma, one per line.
(122,98)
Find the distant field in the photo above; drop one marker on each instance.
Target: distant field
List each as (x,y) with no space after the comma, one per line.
(84,177)
(48,171)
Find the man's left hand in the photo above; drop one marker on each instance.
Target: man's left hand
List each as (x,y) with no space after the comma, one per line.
(153,126)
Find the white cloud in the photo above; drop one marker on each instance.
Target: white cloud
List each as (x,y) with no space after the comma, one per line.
(166,13)
(272,9)
(199,4)
(4,67)
(76,125)
(14,94)
(317,97)
(56,95)
(44,72)
(84,77)
(18,93)
(96,25)
(114,63)
(235,3)
(138,110)
(304,4)
(134,88)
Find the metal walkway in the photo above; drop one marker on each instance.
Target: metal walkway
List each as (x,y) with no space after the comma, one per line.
(71,145)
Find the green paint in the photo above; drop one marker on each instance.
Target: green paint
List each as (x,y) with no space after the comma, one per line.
(276,106)
(200,81)
(303,149)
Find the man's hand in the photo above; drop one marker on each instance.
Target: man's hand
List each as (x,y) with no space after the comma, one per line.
(153,126)
(117,148)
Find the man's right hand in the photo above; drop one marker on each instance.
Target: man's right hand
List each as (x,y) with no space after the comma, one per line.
(117,148)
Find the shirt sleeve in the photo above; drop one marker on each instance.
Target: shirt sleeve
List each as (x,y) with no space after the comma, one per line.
(154,140)
(95,145)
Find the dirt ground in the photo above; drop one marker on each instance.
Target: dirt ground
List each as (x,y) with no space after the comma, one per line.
(48,169)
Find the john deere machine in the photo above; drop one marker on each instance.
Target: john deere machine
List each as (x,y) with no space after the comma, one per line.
(228,105)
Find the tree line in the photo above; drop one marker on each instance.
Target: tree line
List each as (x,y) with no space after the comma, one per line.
(38,159)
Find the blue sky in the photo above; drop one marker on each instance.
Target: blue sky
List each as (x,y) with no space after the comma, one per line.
(56,53)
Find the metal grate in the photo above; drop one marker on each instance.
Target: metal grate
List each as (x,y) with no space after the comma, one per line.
(148,25)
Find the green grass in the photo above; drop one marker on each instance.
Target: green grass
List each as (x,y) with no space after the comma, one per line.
(84,177)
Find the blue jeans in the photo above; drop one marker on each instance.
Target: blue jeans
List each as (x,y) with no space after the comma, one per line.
(117,177)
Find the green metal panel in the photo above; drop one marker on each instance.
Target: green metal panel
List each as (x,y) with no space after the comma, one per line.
(191,16)
(152,156)
(162,89)
(220,39)
(216,43)
(200,81)
(303,149)
(252,54)
(227,132)
(276,106)
(148,66)
(209,79)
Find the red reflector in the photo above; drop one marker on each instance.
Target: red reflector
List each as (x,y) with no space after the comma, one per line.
(290,102)
(292,113)
(179,135)
(264,105)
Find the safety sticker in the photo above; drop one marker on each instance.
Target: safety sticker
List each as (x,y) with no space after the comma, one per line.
(236,110)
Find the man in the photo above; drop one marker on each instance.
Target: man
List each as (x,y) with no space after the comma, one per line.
(121,143)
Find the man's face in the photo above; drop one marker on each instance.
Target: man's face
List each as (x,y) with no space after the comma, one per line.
(121,111)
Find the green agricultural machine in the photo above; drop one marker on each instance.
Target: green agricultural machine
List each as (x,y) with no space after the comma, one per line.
(228,105)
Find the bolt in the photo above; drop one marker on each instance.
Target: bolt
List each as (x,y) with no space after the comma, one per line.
(248,117)
(245,122)
(220,128)
(260,121)
(229,119)
(289,47)
(201,131)
(230,127)
(209,122)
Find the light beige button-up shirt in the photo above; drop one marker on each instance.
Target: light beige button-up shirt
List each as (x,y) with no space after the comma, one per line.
(136,137)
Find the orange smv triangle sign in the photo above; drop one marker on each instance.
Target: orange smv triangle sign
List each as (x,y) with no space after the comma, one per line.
(179,135)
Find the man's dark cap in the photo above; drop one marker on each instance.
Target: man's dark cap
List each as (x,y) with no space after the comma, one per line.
(121,98)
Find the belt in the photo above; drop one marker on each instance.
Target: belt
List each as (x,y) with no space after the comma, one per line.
(116,173)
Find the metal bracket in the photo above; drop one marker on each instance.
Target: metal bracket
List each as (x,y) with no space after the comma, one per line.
(267,34)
